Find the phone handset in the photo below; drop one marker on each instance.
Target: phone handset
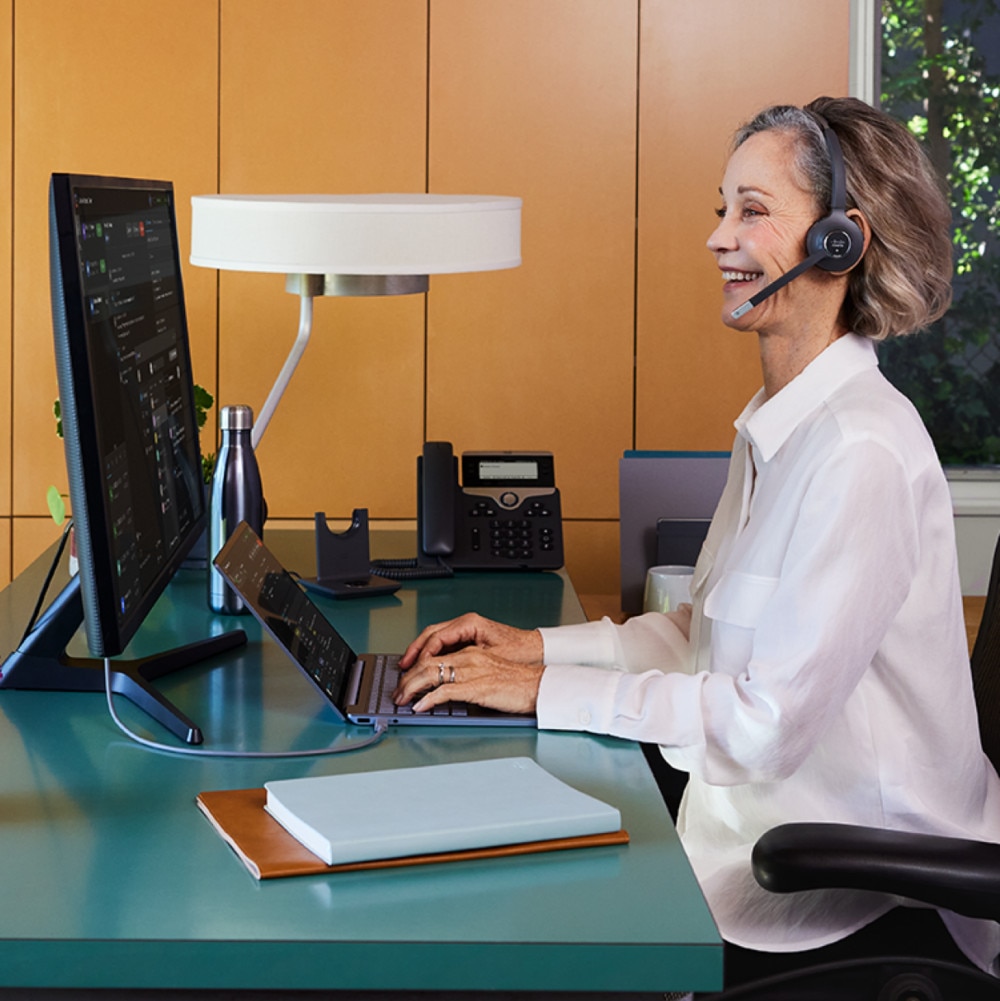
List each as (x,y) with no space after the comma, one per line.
(437,482)
(437,478)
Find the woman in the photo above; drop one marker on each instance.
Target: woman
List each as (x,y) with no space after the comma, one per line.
(822,673)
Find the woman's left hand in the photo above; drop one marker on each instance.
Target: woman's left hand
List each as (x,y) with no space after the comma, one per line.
(471,675)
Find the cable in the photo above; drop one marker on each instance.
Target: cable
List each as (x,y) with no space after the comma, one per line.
(410,569)
(198,752)
(48,580)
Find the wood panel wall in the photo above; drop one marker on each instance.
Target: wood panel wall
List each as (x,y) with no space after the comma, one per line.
(610,118)
(6,283)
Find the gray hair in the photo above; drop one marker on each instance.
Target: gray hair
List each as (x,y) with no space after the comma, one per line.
(903,282)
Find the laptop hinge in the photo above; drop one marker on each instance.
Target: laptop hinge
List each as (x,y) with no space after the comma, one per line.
(354,683)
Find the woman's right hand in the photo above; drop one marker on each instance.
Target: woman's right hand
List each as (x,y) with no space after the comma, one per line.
(521,646)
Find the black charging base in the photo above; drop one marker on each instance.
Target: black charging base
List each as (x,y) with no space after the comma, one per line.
(343,564)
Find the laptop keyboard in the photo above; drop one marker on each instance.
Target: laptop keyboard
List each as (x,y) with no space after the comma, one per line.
(387,680)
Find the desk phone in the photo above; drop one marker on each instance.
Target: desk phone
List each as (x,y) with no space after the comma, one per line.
(505,514)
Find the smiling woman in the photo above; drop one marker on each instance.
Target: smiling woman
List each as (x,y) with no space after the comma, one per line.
(759,241)
(906,283)
(821,672)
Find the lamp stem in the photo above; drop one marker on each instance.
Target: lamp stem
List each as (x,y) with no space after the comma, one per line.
(285,375)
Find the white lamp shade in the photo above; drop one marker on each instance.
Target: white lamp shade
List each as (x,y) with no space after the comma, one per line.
(381,234)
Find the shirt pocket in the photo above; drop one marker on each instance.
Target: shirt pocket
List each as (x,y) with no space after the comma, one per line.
(735,605)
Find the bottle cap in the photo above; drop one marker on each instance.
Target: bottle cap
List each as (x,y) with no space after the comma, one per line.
(238,417)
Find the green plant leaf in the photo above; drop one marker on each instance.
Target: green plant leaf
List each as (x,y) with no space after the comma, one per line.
(203,401)
(937,80)
(57,506)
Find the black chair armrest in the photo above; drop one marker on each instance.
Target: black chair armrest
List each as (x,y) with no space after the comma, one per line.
(954,873)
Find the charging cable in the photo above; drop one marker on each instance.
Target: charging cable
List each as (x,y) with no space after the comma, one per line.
(200,752)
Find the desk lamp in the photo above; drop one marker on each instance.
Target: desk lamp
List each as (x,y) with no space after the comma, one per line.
(351,245)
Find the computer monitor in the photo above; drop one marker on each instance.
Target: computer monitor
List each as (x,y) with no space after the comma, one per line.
(130,433)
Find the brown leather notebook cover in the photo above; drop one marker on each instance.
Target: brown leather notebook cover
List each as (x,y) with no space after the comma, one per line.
(268,850)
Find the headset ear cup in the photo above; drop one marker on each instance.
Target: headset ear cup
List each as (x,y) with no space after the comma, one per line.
(839,238)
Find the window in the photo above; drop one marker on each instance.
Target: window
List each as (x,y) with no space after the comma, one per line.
(939,73)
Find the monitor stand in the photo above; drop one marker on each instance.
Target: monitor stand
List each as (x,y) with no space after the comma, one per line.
(40,663)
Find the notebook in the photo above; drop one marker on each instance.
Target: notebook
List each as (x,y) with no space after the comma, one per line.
(451,807)
(268,851)
(358,686)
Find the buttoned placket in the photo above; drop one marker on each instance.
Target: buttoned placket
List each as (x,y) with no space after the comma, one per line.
(749,483)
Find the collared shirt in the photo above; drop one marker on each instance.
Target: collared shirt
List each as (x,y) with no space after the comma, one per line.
(827,675)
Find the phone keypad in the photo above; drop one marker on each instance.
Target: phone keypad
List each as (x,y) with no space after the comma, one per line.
(513,538)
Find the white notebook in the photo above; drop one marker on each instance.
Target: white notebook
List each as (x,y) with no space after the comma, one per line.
(362,816)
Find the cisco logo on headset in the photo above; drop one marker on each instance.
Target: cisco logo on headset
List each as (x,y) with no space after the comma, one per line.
(838,245)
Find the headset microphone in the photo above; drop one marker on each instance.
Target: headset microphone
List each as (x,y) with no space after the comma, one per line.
(756,300)
(833,243)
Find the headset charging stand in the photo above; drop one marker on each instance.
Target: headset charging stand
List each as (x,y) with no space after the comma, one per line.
(343,562)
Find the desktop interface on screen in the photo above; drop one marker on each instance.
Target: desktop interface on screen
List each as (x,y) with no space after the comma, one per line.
(146,439)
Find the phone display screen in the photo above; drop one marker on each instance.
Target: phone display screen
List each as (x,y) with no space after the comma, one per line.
(500,471)
(507,469)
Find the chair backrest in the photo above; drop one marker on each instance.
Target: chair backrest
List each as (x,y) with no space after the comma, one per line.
(986,666)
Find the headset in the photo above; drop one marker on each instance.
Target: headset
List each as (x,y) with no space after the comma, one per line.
(833,243)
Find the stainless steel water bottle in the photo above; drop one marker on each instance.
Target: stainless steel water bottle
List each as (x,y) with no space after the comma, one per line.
(236,496)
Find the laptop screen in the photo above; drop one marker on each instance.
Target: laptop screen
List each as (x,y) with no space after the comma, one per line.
(286,611)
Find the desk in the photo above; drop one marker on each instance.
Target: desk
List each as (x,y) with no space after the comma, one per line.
(112,878)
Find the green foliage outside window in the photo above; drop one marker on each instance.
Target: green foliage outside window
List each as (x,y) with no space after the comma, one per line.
(936,78)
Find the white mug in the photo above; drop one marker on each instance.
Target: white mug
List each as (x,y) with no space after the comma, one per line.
(667,588)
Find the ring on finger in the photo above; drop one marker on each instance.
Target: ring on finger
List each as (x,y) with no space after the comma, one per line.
(441,667)
(451,679)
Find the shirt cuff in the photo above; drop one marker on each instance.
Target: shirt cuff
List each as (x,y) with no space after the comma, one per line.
(571,697)
(589,643)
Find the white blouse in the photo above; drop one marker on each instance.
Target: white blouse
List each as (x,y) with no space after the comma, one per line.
(827,675)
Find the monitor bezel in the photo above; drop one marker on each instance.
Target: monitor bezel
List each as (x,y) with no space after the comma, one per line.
(108,632)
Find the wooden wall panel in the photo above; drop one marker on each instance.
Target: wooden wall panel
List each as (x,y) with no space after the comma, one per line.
(538,100)
(705,68)
(110,88)
(5,552)
(29,538)
(6,144)
(326,96)
(602,340)
(592,556)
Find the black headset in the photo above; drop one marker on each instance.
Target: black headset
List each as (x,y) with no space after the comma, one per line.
(838,238)
(833,243)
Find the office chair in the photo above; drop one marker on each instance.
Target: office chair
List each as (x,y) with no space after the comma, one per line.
(953,873)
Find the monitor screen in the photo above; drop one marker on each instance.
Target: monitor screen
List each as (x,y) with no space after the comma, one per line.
(131,437)
(127,397)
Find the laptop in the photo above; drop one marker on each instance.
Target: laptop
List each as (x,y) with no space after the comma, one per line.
(358,686)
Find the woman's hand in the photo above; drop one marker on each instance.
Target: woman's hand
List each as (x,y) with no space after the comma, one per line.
(472,659)
(471,675)
(521,646)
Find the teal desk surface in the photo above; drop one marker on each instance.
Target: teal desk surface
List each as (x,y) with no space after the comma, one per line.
(112,878)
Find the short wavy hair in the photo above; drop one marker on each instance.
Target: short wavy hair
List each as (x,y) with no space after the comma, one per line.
(903,283)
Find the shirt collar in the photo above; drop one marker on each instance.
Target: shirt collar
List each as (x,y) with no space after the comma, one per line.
(768,423)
